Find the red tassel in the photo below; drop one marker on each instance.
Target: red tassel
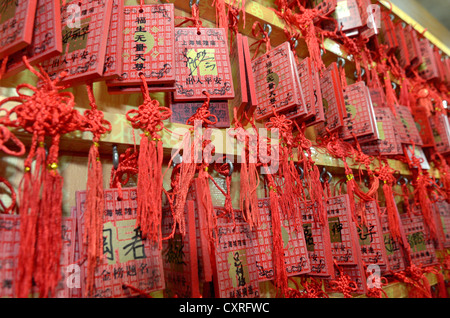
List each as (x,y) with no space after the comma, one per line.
(94,122)
(149,117)
(280,275)
(47,112)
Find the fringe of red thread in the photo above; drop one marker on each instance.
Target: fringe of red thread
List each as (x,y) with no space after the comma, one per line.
(94,215)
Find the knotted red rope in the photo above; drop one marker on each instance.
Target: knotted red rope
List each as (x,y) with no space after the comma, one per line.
(342,150)
(343,283)
(414,277)
(47,112)
(444,172)
(149,118)
(195,19)
(93,121)
(305,21)
(311,174)
(421,181)
(257,31)
(249,177)
(128,166)
(386,174)
(311,289)
(5,136)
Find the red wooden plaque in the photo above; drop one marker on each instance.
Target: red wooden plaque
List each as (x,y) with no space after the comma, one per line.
(46,41)
(343,235)
(357,118)
(148,45)
(239,77)
(442,209)
(423,252)
(428,68)
(84,34)
(440,128)
(332,100)
(295,249)
(388,143)
(412,45)
(348,15)
(403,54)
(113,58)
(181,112)
(275,81)
(180,255)
(16,25)
(305,75)
(394,251)
(318,245)
(127,259)
(371,238)
(251,90)
(9,252)
(202,63)
(237,275)
(406,127)
(423,126)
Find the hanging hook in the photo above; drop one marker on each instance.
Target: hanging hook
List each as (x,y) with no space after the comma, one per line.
(191,3)
(178,159)
(231,166)
(394,85)
(322,174)
(295,43)
(363,71)
(115,155)
(269,28)
(402,178)
(341,62)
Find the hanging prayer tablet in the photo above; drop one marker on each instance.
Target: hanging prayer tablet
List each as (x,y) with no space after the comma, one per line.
(342,232)
(46,41)
(348,16)
(406,127)
(9,252)
(422,249)
(148,45)
(235,263)
(442,209)
(357,118)
(64,289)
(318,244)
(239,76)
(275,81)
(85,26)
(388,32)
(182,111)
(440,128)
(307,110)
(180,259)
(113,57)
(251,90)
(202,63)
(428,69)
(412,46)
(394,251)
(388,143)
(16,25)
(370,237)
(127,258)
(332,100)
(295,249)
